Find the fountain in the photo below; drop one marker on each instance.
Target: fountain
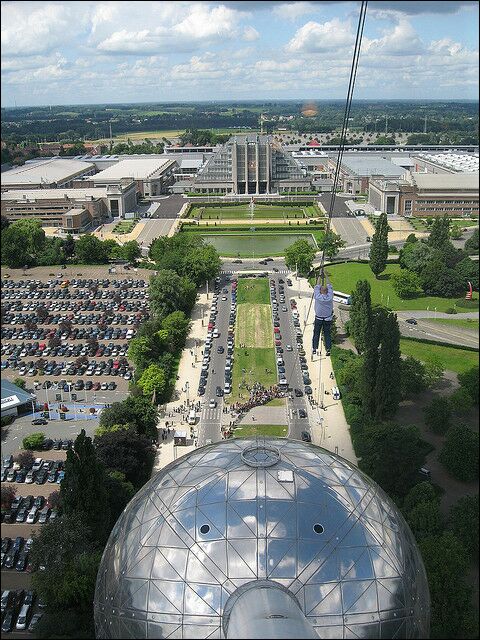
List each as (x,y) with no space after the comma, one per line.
(251,207)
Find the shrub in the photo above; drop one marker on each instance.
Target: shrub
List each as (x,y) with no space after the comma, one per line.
(451,310)
(34,441)
(438,415)
(460,453)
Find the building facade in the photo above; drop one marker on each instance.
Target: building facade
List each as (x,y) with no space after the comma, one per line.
(426,194)
(251,164)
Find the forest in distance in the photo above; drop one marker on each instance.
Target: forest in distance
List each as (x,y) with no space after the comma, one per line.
(442,122)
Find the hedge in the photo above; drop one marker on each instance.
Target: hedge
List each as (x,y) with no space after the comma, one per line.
(439,344)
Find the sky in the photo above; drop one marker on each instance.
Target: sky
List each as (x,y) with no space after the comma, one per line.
(112,52)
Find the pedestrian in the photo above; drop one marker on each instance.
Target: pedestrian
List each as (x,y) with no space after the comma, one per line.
(323,296)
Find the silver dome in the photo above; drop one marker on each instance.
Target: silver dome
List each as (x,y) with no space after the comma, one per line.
(261,509)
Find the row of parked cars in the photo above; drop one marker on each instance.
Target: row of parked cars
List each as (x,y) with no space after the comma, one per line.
(41,470)
(74,283)
(104,314)
(18,610)
(39,349)
(108,367)
(80,294)
(74,333)
(212,334)
(30,510)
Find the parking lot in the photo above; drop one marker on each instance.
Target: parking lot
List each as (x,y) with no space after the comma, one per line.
(68,335)
(29,511)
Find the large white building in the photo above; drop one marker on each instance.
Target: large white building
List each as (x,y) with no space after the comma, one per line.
(152,175)
(46,174)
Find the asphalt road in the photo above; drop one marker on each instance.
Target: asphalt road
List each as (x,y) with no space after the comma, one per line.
(428,330)
(153,229)
(211,419)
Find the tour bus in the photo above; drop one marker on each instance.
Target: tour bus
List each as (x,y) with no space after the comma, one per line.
(192,417)
(343,298)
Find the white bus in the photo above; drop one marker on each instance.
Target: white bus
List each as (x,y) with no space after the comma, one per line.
(343,298)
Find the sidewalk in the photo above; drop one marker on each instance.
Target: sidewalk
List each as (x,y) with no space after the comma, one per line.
(329,426)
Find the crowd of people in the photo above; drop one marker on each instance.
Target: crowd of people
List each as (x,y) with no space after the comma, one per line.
(259,395)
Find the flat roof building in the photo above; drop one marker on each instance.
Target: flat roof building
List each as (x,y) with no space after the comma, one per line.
(14,399)
(356,170)
(51,205)
(426,194)
(46,174)
(152,175)
(446,162)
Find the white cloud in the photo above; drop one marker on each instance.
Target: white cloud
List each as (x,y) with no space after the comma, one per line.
(401,40)
(315,37)
(250,34)
(293,10)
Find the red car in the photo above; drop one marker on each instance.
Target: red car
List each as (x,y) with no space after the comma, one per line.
(278,343)
(211,325)
(276,330)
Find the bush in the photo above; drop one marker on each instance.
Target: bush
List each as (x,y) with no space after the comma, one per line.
(451,310)
(438,415)
(34,441)
(20,382)
(460,453)
(6,420)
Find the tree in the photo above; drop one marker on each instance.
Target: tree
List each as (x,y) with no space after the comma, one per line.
(439,233)
(467,271)
(34,441)
(120,492)
(461,401)
(471,245)
(131,251)
(411,238)
(420,493)
(177,326)
(83,488)
(153,381)
(170,292)
(460,453)
(69,246)
(52,252)
(8,495)
(438,279)
(438,415)
(412,377)
(33,234)
(331,243)
(414,256)
(434,370)
(14,248)
(5,222)
(425,520)
(379,249)
(463,522)
(387,381)
(90,250)
(391,455)
(406,284)
(137,412)
(455,232)
(140,352)
(360,320)
(445,561)
(201,264)
(54,500)
(25,458)
(299,256)
(20,382)
(127,452)
(469,380)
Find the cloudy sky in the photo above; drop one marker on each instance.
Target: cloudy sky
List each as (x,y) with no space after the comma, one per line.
(93,52)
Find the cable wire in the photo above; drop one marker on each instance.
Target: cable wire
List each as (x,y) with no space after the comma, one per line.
(341,149)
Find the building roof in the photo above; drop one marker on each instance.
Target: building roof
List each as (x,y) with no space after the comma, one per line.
(82,193)
(461,162)
(363,165)
(13,396)
(191,163)
(136,168)
(453,181)
(48,172)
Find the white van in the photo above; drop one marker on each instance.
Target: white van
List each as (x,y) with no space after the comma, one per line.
(129,335)
(336,395)
(192,417)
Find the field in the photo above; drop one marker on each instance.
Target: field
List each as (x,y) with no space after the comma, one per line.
(254,325)
(260,430)
(260,211)
(249,366)
(253,291)
(457,360)
(468,323)
(344,278)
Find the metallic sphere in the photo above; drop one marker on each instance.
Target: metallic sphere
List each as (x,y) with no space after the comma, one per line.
(272,510)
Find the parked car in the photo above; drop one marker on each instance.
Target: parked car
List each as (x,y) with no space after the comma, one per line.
(34,621)
(39,421)
(306,437)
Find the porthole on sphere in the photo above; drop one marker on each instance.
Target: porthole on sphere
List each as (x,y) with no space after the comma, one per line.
(318,528)
(204,528)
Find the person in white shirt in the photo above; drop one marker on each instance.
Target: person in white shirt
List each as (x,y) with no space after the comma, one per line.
(323,314)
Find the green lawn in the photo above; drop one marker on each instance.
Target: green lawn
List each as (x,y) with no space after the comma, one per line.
(230,212)
(249,366)
(457,360)
(260,430)
(344,278)
(253,291)
(276,402)
(468,323)
(124,227)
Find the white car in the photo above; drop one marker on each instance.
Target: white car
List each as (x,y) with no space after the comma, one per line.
(216,333)
(227,388)
(23,617)
(212,404)
(289,347)
(32,515)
